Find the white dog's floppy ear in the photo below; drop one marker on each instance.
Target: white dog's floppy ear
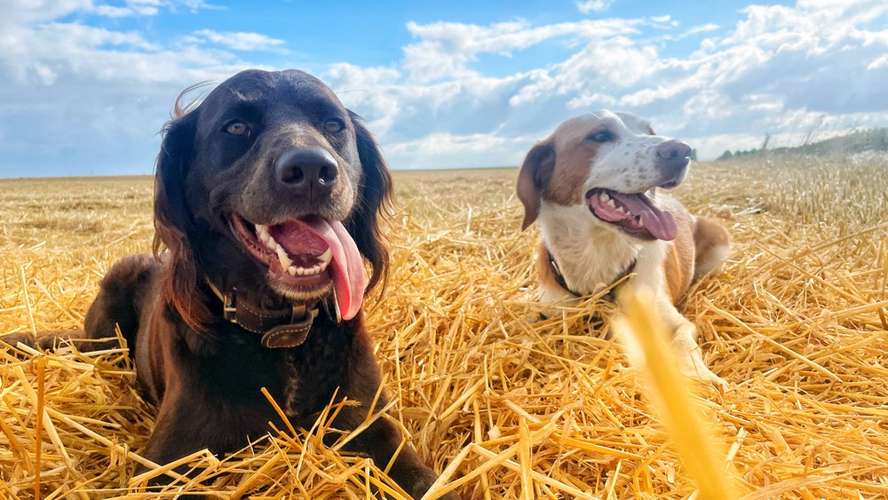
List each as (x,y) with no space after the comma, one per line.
(533,178)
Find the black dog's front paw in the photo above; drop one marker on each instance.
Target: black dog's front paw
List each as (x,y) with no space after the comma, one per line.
(14,338)
(422,479)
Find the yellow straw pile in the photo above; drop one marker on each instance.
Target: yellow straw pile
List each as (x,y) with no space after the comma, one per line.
(502,404)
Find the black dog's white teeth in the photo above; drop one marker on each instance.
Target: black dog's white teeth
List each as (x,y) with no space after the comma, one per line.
(286,262)
(265,237)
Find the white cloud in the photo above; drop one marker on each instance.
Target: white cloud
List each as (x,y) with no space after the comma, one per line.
(77,98)
(149,7)
(131,8)
(443,149)
(764,103)
(703,28)
(587,6)
(236,40)
(612,64)
(776,71)
(879,62)
(18,12)
(447,49)
(692,31)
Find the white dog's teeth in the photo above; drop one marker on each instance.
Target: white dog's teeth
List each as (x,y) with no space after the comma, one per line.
(326,257)
(611,204)
(291,270)
(604,197)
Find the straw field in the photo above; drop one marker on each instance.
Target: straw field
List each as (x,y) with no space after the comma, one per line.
(506,407)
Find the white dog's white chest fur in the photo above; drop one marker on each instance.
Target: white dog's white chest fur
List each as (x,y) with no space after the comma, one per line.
(591,256)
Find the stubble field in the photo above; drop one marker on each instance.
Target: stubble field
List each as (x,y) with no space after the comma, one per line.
(797,323)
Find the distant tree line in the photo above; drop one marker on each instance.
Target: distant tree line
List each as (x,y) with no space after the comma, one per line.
(855,142)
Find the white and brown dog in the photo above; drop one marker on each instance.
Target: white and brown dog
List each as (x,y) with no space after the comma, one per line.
(593,186)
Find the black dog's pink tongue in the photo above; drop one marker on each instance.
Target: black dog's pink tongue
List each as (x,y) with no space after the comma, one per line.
(660,224)
(314,236)
(298,238)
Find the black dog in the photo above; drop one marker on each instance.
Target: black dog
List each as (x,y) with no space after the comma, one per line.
(267,196)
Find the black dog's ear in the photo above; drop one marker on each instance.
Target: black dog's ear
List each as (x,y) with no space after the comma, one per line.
(533,177)
(373,204)
(173,223)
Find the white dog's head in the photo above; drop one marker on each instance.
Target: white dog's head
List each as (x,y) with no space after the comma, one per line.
(610,162)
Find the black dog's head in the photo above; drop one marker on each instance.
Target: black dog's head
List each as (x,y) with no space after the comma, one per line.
(273,186)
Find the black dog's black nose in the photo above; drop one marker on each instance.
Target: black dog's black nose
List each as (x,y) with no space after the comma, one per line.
(306,170)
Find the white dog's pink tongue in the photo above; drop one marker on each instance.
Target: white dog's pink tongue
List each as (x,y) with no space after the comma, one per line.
(660,224)
(348,267)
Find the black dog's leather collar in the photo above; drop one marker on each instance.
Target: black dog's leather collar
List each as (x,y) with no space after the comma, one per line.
(559,278)
(280,328)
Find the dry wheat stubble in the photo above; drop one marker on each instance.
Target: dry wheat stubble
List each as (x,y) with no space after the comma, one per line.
(507,408)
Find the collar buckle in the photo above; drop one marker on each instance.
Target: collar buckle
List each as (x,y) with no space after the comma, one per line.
(298,313)
(278,328)
(229,309)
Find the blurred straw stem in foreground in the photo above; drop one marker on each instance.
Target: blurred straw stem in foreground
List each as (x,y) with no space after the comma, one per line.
(644,338)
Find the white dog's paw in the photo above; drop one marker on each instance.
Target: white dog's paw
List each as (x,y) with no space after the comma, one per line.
(690,358)
(693,366)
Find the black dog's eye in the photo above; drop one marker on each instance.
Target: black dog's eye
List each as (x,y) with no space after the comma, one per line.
(334,125)
(603,136)
(237,128)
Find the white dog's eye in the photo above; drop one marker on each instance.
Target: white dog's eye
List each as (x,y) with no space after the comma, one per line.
(602,136)
(237,128)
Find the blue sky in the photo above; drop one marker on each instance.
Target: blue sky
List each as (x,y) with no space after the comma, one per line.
(86,84)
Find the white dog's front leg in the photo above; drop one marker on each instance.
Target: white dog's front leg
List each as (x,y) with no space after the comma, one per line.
(555,296)
(550,296)
(684,339)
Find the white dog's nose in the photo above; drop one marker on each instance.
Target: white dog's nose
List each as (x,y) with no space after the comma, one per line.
(672,162)
(673,151)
